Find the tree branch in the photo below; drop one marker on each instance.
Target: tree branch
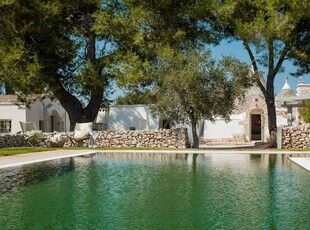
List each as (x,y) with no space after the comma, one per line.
(255,68)
(281,59)
(252,58)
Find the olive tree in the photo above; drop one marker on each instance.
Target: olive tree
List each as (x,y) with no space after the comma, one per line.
(194,86)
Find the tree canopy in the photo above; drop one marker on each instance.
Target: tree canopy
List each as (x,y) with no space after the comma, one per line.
(162,23)
(194,86)
(64,47)
(272,31)
(74,49)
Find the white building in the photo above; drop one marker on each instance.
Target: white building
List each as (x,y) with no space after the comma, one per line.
(48,115)
(128,117)
(249,120)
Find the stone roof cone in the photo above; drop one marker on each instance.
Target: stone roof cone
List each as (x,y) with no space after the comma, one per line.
(286,90)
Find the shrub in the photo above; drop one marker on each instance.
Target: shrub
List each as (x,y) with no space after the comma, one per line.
(305,112)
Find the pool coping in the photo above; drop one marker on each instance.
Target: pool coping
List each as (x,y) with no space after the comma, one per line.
(302,161)
(30,158)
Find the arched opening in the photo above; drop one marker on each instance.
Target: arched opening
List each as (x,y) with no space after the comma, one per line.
(256,125)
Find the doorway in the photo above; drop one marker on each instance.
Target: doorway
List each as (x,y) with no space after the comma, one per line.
(256,127)
(54,122)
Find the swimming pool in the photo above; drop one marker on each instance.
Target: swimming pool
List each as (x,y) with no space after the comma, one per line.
(157,191)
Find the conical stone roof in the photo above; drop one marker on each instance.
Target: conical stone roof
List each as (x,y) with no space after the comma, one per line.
(286,90)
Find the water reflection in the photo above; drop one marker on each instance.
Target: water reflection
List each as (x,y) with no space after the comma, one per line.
(149,190)
(16,177)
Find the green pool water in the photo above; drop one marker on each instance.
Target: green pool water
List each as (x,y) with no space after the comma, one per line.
(157,191)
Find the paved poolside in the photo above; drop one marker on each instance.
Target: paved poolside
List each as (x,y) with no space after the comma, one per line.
(302,161)
(29,158)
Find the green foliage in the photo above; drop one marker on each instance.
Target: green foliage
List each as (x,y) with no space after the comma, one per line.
(145,96)
(271,31)
(194,86)
(275,29)
(149,27)
(305,112)
(68,48)
(167,22)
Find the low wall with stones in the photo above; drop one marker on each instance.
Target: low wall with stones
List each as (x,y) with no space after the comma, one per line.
(224,141)
(7,140)
(296,136)
(176,138)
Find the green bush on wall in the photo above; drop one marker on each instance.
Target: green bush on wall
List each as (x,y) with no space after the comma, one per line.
(305,112)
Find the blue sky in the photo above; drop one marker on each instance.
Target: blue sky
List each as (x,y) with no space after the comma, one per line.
(236,49)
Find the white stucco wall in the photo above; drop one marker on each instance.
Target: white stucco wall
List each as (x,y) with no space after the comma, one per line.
(35,113)
(54,106)
(9,111)
(123,117)
(221,129)
(281,121)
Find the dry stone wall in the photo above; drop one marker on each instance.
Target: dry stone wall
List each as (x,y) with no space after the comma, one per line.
(296,136)
(166,138)
(177,138)
(7,141)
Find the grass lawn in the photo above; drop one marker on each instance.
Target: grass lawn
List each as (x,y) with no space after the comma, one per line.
(14,151)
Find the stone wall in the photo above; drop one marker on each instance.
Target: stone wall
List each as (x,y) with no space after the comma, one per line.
(177,138)
(7,140)
(296,136)
(225,141)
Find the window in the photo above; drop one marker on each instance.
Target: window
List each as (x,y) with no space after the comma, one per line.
(5,126)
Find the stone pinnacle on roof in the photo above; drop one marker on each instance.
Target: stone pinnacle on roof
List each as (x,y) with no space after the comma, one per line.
(286,85)
(286,90)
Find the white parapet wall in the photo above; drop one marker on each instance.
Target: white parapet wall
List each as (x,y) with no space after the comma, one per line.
(128,117)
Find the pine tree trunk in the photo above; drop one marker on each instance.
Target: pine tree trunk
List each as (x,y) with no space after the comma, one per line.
(271,111)
(74,107)
(70,103)
(270,102)
(272,116)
